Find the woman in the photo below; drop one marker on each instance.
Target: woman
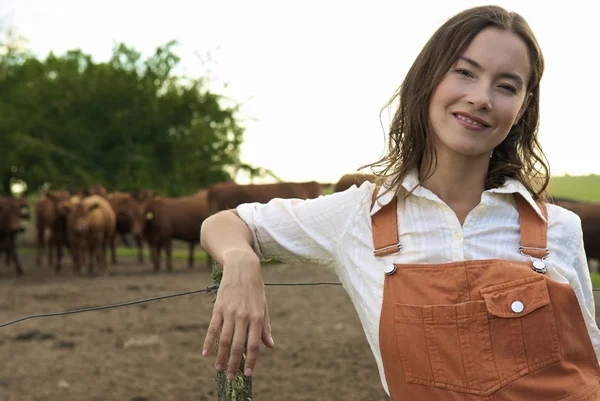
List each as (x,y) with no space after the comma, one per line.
(467,284)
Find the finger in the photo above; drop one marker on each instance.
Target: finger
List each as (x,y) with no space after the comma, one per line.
(253,346)
(224,343)
(266,335)
(237,348)
(214,328)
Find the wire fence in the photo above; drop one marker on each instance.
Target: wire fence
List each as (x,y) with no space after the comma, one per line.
(208,289)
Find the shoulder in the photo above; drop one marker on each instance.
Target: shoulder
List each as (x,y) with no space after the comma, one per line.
(324,207)
(558,216)
(564,226)
(354,198)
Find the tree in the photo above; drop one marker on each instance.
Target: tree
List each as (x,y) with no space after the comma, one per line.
(128,123)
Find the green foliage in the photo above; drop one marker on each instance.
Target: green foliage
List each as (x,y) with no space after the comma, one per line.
(129,123)
(584,188)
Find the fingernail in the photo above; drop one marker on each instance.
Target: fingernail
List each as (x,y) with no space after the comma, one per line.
(272,341)
(204,352)
(230,376)
(219,367)
(248,372)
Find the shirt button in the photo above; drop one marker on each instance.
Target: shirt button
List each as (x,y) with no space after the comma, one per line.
(517,306)
(457,235)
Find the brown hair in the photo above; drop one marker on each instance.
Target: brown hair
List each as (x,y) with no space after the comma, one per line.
(519,156)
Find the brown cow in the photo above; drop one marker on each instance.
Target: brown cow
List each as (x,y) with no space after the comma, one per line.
(347,180)
(22,205)
(174,218)
(229,195)
(48,218)
(10,226)
(130,219)
(91,224)
(589,213)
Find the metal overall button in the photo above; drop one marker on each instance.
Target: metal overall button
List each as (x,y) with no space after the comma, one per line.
(390,269)
(539,266)
(517,306)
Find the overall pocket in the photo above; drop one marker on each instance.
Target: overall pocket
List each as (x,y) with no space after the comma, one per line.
(477,347)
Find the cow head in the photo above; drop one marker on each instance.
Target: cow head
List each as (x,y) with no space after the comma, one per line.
(77,213)
(133,210)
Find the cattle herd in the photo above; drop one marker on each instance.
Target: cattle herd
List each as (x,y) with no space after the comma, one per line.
(87,222)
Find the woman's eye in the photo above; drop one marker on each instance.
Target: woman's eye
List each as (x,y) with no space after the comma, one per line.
(509,88)
(462,71)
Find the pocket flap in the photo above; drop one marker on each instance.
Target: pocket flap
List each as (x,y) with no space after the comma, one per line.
(516,298)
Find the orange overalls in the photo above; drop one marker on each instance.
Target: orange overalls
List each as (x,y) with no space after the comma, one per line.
(477,330)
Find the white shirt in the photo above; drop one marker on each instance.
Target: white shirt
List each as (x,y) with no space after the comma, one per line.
(334,231)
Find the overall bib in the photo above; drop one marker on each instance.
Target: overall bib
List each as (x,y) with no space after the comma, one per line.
(493,330)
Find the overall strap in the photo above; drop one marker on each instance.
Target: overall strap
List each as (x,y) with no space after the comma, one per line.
(533,228)
(385,228)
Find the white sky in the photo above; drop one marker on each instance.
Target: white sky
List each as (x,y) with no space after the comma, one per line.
(315,74)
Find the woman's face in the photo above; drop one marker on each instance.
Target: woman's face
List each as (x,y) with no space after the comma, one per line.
(482,96)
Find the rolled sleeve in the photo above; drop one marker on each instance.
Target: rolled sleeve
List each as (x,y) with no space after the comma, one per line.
(303,231)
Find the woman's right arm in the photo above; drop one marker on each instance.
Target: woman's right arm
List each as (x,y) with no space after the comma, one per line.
(240,309)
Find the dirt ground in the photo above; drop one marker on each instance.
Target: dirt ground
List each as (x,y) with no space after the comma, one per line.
(152,351)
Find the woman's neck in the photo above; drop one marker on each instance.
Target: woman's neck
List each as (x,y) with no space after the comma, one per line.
(458,181)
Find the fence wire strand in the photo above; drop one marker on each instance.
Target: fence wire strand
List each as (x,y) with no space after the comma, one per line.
(210,288)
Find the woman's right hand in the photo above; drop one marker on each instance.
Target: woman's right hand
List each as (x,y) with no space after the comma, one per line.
(240,313)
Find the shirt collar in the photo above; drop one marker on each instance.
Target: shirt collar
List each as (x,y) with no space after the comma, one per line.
(511,186)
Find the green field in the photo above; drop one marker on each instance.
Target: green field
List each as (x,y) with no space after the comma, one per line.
(583,187)
(595,280)
(177,253)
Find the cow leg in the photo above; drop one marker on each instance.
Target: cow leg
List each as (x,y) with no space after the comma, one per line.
(102,252)
(52,242)
(140,246)
(59,255)
(113,252)
(169,256)
(155,255)
(12,252)
(91,254)
(75,257)
(191,256)
(40,246)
